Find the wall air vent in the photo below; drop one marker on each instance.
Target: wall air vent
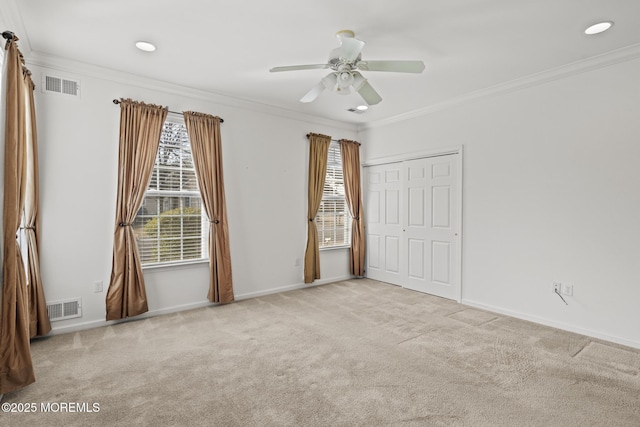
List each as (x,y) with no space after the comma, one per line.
(67,309)
(63,86)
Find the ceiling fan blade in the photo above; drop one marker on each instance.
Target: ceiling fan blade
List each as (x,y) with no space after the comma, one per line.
(393,66)
(313,93)
(299,67)
(368,93)
(350,48)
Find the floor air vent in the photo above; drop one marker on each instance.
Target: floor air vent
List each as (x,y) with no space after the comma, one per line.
(53,84)
(67,309)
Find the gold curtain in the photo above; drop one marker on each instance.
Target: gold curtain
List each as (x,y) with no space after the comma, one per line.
(39,324)
(318,150)
(16,369)
(206,145)
(350,153)
(140,130)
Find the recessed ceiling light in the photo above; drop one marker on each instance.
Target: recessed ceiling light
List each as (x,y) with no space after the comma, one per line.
(358,110)
(146,46)
(599,27)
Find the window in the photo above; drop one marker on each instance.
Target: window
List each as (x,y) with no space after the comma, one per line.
(171,225)
(333,220)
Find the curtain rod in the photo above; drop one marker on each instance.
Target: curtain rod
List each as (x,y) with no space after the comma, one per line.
(332,140)
(115,101)
(10,35)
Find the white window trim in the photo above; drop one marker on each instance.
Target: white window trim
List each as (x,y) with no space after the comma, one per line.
(176,264)
(348,222)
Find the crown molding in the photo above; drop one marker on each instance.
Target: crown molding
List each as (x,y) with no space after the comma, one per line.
(617,56)
(72,67)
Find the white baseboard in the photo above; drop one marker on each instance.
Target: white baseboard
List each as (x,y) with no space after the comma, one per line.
(292,287)
(553,323)
(99,323)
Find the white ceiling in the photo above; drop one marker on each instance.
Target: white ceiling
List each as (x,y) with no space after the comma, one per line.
(228,47)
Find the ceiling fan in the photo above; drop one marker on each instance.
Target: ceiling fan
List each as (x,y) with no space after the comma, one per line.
(345,60)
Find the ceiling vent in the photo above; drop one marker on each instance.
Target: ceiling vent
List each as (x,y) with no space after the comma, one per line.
(63,86)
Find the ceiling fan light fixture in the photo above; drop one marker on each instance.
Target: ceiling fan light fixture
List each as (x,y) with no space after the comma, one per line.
(598,28)
(330,81)
(362,107)
(345,79)
(145,46)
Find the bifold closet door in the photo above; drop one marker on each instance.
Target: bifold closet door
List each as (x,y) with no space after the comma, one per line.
(412,224)
(430,221)
(383,216)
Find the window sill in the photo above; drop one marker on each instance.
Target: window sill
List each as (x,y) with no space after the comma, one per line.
(333,248)
(181,264)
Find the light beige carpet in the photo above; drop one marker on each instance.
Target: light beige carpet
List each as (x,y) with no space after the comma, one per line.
(354,353)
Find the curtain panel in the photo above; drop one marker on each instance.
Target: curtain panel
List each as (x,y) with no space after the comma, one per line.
(39,324)
(16,369)
(318,151)
(206,146)
(140,130)
(3,105)
(350,153)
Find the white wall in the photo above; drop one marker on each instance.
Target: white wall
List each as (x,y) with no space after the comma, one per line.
(265,170)
(551,192)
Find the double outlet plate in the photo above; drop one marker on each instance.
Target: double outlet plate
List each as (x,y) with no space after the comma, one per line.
(562,288)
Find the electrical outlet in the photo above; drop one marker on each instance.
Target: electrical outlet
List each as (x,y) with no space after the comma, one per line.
(556,287)
(298,262)
(97,286)
(567,290)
